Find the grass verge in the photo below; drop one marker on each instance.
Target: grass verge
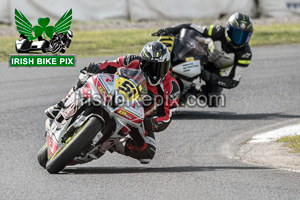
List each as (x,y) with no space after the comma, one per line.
(119,42)
(292,142)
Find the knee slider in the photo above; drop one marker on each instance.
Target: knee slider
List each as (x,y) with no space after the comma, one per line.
(149,152)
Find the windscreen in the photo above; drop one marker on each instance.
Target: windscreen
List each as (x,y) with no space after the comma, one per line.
(191,44)
(136,76)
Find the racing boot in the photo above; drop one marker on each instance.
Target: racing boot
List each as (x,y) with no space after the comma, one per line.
(53,111)
(129,147)
(48,124)
(213,95)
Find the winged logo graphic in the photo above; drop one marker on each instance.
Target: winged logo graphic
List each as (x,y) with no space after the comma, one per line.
(50,38)
(26,28)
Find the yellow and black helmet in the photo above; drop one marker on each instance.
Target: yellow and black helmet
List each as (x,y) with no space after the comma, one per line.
(239,29)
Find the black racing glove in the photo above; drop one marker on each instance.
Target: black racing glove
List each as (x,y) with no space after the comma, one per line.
(209,77)
(93,68)
(129,58)
(205,75)
(150,124)
(162,31)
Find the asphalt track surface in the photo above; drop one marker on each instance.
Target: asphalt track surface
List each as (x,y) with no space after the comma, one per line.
(196,156)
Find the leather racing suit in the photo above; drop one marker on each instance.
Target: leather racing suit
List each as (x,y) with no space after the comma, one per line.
(159,104)
(225,65)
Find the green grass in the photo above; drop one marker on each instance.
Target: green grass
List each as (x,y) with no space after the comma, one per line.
(274,34)
(109,42)
(292,142)
(119,42)
(7,45)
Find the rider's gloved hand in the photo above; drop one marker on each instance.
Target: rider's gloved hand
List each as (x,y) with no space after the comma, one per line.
(131,59)
(205,75)
(150,124)
(209,77)
(162,31)
(204,60)
(93,68)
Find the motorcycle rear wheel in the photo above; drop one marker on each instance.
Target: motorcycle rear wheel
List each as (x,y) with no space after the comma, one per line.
(74,145)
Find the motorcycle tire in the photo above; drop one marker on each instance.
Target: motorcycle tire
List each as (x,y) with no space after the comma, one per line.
(74,145)
(55,48)
(43,156)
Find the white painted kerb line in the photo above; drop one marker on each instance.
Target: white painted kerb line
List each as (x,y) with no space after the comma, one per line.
(276,134)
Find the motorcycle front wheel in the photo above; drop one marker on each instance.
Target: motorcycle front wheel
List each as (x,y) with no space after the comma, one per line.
(74,145)
(43,156)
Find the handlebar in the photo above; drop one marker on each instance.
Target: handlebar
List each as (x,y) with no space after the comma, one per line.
(154,34)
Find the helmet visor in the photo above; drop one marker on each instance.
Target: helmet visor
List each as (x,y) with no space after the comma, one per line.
(238,36)
(156,71)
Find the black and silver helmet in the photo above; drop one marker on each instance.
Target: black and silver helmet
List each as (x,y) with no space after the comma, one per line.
(70,34)
(155,62)
(239,29)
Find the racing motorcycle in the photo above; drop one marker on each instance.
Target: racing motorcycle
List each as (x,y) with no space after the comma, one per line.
(59,42)
(93,119)
(23,45)
(188,51)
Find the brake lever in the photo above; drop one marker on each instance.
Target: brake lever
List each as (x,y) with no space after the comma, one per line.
(154,34)
(83,71)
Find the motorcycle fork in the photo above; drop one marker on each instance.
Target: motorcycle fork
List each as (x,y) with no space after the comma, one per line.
(107,131)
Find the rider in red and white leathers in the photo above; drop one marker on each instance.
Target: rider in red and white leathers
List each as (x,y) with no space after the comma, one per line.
(161,101)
